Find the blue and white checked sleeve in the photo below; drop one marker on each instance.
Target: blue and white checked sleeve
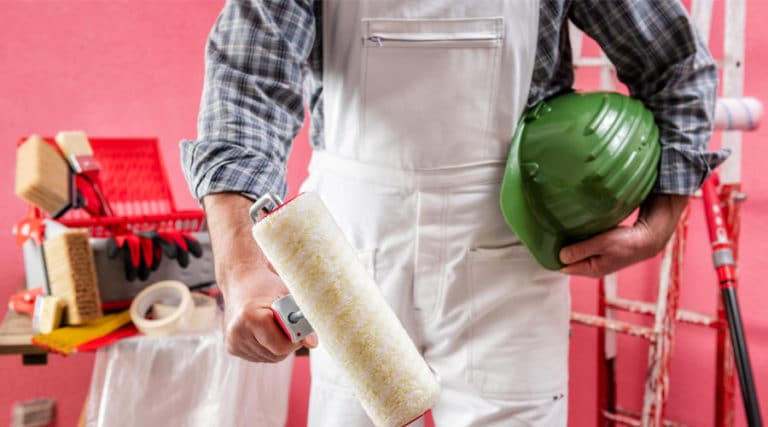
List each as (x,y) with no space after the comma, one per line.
(663,62)
(252,104)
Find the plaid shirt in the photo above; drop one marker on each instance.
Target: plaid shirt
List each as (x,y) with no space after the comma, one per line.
(263,60)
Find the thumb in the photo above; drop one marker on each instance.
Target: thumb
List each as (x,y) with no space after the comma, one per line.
(310,341)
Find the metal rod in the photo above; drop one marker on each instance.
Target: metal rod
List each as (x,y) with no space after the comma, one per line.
(743,366)
(263,204)
(295,317)
(726,274)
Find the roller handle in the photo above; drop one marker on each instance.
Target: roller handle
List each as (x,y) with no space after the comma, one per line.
(290,319)
(263,205)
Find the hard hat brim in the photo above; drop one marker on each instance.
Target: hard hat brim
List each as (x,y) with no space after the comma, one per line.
(542,243)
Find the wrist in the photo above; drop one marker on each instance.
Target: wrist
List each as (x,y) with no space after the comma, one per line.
(659,216)
(235,252)
(663,207)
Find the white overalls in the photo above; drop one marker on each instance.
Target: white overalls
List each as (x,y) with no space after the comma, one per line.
(421,99)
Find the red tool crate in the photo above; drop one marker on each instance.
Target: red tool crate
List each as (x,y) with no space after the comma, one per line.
(135,183)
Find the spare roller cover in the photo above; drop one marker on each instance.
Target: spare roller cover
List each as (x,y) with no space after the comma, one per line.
(578,165)
(341,301)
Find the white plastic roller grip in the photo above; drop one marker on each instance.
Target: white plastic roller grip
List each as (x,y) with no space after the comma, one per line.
(353,322)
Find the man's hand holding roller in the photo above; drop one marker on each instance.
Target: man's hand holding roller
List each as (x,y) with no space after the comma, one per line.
(248,283)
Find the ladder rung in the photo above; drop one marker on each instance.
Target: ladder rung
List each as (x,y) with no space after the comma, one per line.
(636,416)
(614,325)
(622,419)
(642,307)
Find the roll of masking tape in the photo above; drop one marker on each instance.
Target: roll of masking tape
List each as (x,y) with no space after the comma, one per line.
(203,313)
(168,292)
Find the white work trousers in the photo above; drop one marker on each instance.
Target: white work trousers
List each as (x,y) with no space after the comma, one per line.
(420,102)
(490,322)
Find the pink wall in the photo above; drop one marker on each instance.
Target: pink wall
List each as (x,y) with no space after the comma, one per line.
(135,68)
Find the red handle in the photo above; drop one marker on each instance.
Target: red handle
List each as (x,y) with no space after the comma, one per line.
(722,248)
(280,324)
(24,301)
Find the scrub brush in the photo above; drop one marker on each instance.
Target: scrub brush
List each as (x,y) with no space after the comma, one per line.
(42,175)
(72,275)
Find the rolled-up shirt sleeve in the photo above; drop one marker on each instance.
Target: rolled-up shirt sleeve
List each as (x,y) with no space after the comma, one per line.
(664,63)
(252,105)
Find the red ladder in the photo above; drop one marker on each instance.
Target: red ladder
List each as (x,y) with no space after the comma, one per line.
(666,313)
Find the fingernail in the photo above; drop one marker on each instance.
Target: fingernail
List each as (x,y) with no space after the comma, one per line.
(565,255)
(311,341)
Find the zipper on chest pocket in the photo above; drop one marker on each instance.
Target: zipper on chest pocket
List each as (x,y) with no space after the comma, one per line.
(427,40)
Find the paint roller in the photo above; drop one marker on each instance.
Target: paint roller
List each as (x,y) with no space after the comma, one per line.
(340,300)
(738,113)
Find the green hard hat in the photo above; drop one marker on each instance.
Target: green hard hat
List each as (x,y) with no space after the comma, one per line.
(579,164)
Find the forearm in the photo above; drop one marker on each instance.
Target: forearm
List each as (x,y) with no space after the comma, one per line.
(664,63)
(234,250)
(248,283)
(252,105)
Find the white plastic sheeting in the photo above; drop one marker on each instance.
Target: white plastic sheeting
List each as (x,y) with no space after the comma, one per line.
(187,380)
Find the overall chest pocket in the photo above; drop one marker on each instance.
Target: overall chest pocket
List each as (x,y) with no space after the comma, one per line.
(430,84)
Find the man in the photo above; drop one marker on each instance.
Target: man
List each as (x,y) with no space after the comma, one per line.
(413,106)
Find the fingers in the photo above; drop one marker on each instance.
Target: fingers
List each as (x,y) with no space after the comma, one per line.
(130,271)
(590,267)
(606,253)
(143,270)
(157,256)
(182,258)
(583,250)
(241,343)
(253,335)
(193,246)
(269,334)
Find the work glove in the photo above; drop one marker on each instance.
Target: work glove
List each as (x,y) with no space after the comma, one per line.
(139,255)
(176,245)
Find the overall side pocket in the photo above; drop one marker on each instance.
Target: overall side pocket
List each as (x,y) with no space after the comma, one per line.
(519,327)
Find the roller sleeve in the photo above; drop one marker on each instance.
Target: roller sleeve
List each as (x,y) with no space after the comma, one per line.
(353,322)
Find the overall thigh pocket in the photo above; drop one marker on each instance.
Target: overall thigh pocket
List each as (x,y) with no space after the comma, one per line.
(519,327)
